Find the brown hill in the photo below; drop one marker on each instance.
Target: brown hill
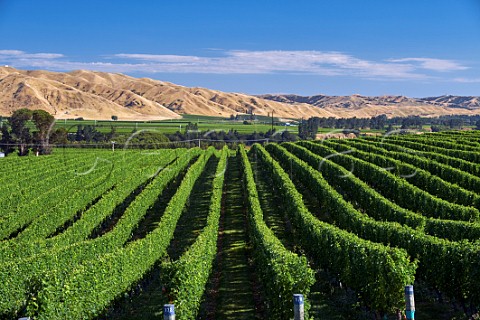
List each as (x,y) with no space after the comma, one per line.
(392,106)
(455,101)
(99,95)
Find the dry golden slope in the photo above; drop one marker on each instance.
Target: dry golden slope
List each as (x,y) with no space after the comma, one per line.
(99,95)
(77,94)
(392,106)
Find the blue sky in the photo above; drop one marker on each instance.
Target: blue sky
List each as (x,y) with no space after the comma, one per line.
(372,47)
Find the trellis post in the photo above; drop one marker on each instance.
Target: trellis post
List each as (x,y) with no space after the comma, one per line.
(410,303)
(298,307)
(169,312)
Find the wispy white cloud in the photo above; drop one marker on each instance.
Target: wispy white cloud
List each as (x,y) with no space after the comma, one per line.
(11,52)
(323,63)
(467,80)
(158,58)
(440,65)
(262,62)
(17,54)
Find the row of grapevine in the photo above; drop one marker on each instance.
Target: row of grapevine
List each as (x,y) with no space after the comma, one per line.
(444,171)
(461,133)
(46,224)
(416,176)
(85,291)
(376,271)
(469,140)
(18,197)
(470,167)
(420,145)
(13,163)
(463,141)
(441,143)
(17,275)
(16,183)
(397,189)
(189,274)
(93,217)
(451,136)
(282,272)
(56,199)
(451,267)
(379,207)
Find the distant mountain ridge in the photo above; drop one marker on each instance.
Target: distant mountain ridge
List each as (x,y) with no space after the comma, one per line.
(100,95)
(468,102)
(358,101)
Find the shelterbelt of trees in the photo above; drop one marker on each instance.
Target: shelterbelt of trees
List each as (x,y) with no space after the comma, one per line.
(36,131)
(16,134)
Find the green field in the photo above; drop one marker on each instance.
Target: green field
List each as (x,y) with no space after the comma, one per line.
(205,123)
(233,234)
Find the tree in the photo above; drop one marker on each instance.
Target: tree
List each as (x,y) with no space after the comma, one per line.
(477,125)
(307,129)
(18,120)
(59,136)
(20,133)
(114,118)
(89,133)
(288,136)
(44,123)
(191,127)
(79,136)
(378,122)
(455,123)
(149,140)
(6,140)
(303,130)
(191,130)
(112,134)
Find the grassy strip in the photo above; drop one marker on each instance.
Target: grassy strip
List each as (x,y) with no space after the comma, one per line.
(189,274)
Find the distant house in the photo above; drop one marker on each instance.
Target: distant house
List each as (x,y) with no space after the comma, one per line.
(2,155)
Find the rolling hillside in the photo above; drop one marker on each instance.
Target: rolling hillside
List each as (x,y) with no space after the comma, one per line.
(99,95)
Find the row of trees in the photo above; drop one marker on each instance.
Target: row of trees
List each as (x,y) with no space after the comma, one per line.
(378,122)
(450,121)
(33,130)
(16,133)
(382,123)
(307,129)
(90,134)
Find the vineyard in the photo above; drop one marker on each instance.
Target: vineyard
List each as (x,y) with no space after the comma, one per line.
(233,234)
